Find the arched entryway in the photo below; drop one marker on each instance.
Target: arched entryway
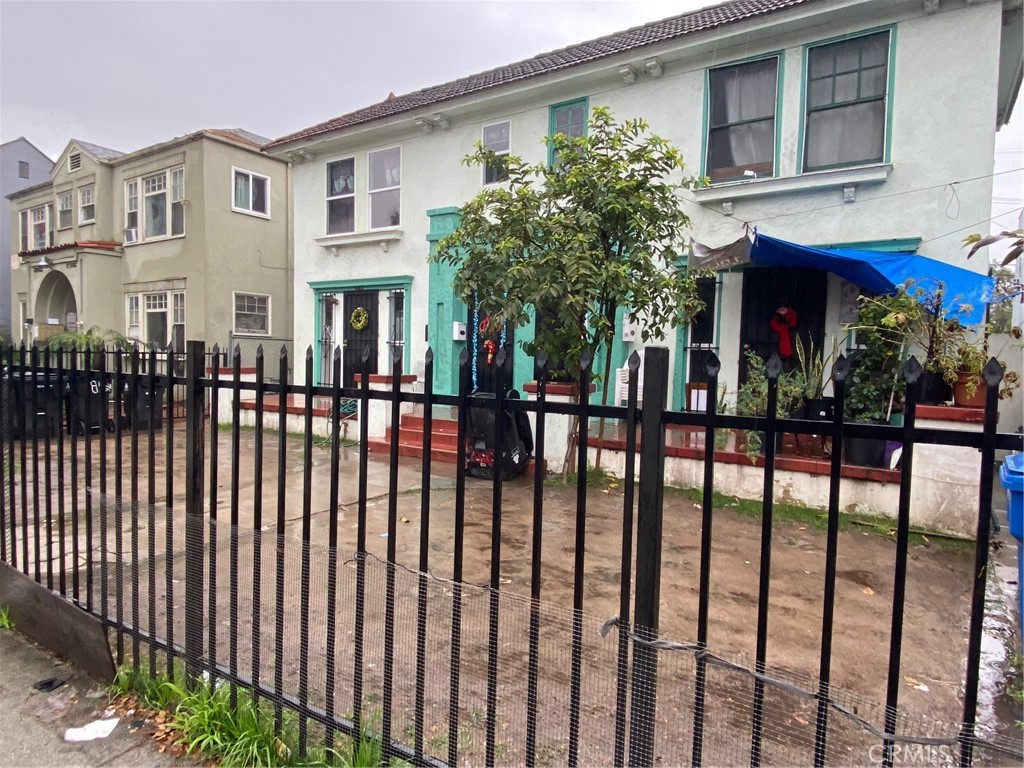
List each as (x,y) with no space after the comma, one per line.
(55,304)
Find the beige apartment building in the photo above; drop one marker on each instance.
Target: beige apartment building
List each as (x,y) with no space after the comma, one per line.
(187,239)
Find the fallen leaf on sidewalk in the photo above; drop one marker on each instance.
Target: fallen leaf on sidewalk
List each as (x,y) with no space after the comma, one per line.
(868,591)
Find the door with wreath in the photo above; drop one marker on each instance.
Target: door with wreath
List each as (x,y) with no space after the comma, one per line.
(359,329)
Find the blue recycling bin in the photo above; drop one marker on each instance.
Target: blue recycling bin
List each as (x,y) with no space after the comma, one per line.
(1011,475)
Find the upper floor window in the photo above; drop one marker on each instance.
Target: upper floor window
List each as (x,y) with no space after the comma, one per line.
(742,100)
(87,204)
(161,213)
(22,169)
(64,210)
(252,313)
(341,197)
(385,171)
(569,118)
(496,138)
(36,228)
(847,85)
(251,193)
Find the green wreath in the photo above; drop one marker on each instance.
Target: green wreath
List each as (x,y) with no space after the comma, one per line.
(360,319)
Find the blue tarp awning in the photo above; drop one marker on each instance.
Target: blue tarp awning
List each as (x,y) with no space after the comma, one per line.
(966,292)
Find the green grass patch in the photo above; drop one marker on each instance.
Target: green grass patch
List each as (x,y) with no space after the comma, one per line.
(241,735)
(6,622)
(817,518)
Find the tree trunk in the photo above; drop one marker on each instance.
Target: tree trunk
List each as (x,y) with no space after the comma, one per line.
(604,401)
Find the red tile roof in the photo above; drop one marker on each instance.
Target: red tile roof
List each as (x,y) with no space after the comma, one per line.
(575,55)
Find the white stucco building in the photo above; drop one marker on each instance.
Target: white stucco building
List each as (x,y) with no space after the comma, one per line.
(868,123)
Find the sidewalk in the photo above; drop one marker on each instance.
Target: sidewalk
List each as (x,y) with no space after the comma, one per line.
(32,724)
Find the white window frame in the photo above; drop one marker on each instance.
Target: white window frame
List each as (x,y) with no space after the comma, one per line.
(173,189)
(351,195)
(65,205)
(139,305)
(86,199)
(29,218)
(235,171)
(371,191)
(235,295)
(502,153)
(133,316)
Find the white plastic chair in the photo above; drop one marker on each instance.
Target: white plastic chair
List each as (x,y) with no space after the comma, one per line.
(622,383)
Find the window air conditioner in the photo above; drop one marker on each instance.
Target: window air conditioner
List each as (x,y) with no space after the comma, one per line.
(131,235)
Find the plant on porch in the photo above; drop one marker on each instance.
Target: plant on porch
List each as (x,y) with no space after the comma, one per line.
(599,229)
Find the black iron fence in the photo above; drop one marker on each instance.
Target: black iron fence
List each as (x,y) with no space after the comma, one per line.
(274,564)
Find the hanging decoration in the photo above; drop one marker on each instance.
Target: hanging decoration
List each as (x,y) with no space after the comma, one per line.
(782,322)
(490,347)
(360,319)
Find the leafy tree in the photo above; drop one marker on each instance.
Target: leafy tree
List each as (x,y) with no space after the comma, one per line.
(599,229)
(93,339)
(1014,236)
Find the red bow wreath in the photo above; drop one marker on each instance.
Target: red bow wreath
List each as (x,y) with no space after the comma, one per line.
(782,321)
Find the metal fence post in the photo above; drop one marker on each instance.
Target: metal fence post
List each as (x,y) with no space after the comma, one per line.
(195,413)
(648,556)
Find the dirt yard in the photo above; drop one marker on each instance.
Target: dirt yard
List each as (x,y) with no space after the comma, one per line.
(934,641)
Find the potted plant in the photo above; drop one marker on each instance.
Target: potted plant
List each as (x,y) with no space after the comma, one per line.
(816,372)
(962,369)
(752,397)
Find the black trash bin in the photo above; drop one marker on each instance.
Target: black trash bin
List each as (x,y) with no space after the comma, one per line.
(142,405)
(32,420)
(481,457)
(87,402)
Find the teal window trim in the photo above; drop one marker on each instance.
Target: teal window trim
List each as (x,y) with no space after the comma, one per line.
(706,117)
(900,245)
(320,287)
(584,102)
(889,97)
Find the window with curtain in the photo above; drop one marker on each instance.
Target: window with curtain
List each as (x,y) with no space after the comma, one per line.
(847,86)
(741,120)
(251,193)
(341,197)
(570,119)
(162,210)
(385,169)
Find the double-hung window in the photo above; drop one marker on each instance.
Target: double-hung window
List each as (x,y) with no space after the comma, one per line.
(385,172)
(65,202)
(87,204)
(134,317)
(36,228)
(570,119)
(496,138)
(742,100)
(252,313)
(251,193)
(160,213)
(847,83)
(341,197)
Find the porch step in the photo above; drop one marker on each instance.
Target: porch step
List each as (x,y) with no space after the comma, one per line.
(444,441)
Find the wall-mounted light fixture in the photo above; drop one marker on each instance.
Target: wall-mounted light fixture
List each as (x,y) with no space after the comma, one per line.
(654,67)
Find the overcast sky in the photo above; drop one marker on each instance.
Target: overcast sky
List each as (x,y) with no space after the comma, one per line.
(125,75)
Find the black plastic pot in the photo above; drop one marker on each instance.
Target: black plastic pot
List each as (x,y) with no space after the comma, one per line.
(864,451)
(934,389)
(821,409)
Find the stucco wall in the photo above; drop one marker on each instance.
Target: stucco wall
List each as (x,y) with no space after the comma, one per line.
(934,140)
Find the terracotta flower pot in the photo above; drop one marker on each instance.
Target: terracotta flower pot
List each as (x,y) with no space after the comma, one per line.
(960,396)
